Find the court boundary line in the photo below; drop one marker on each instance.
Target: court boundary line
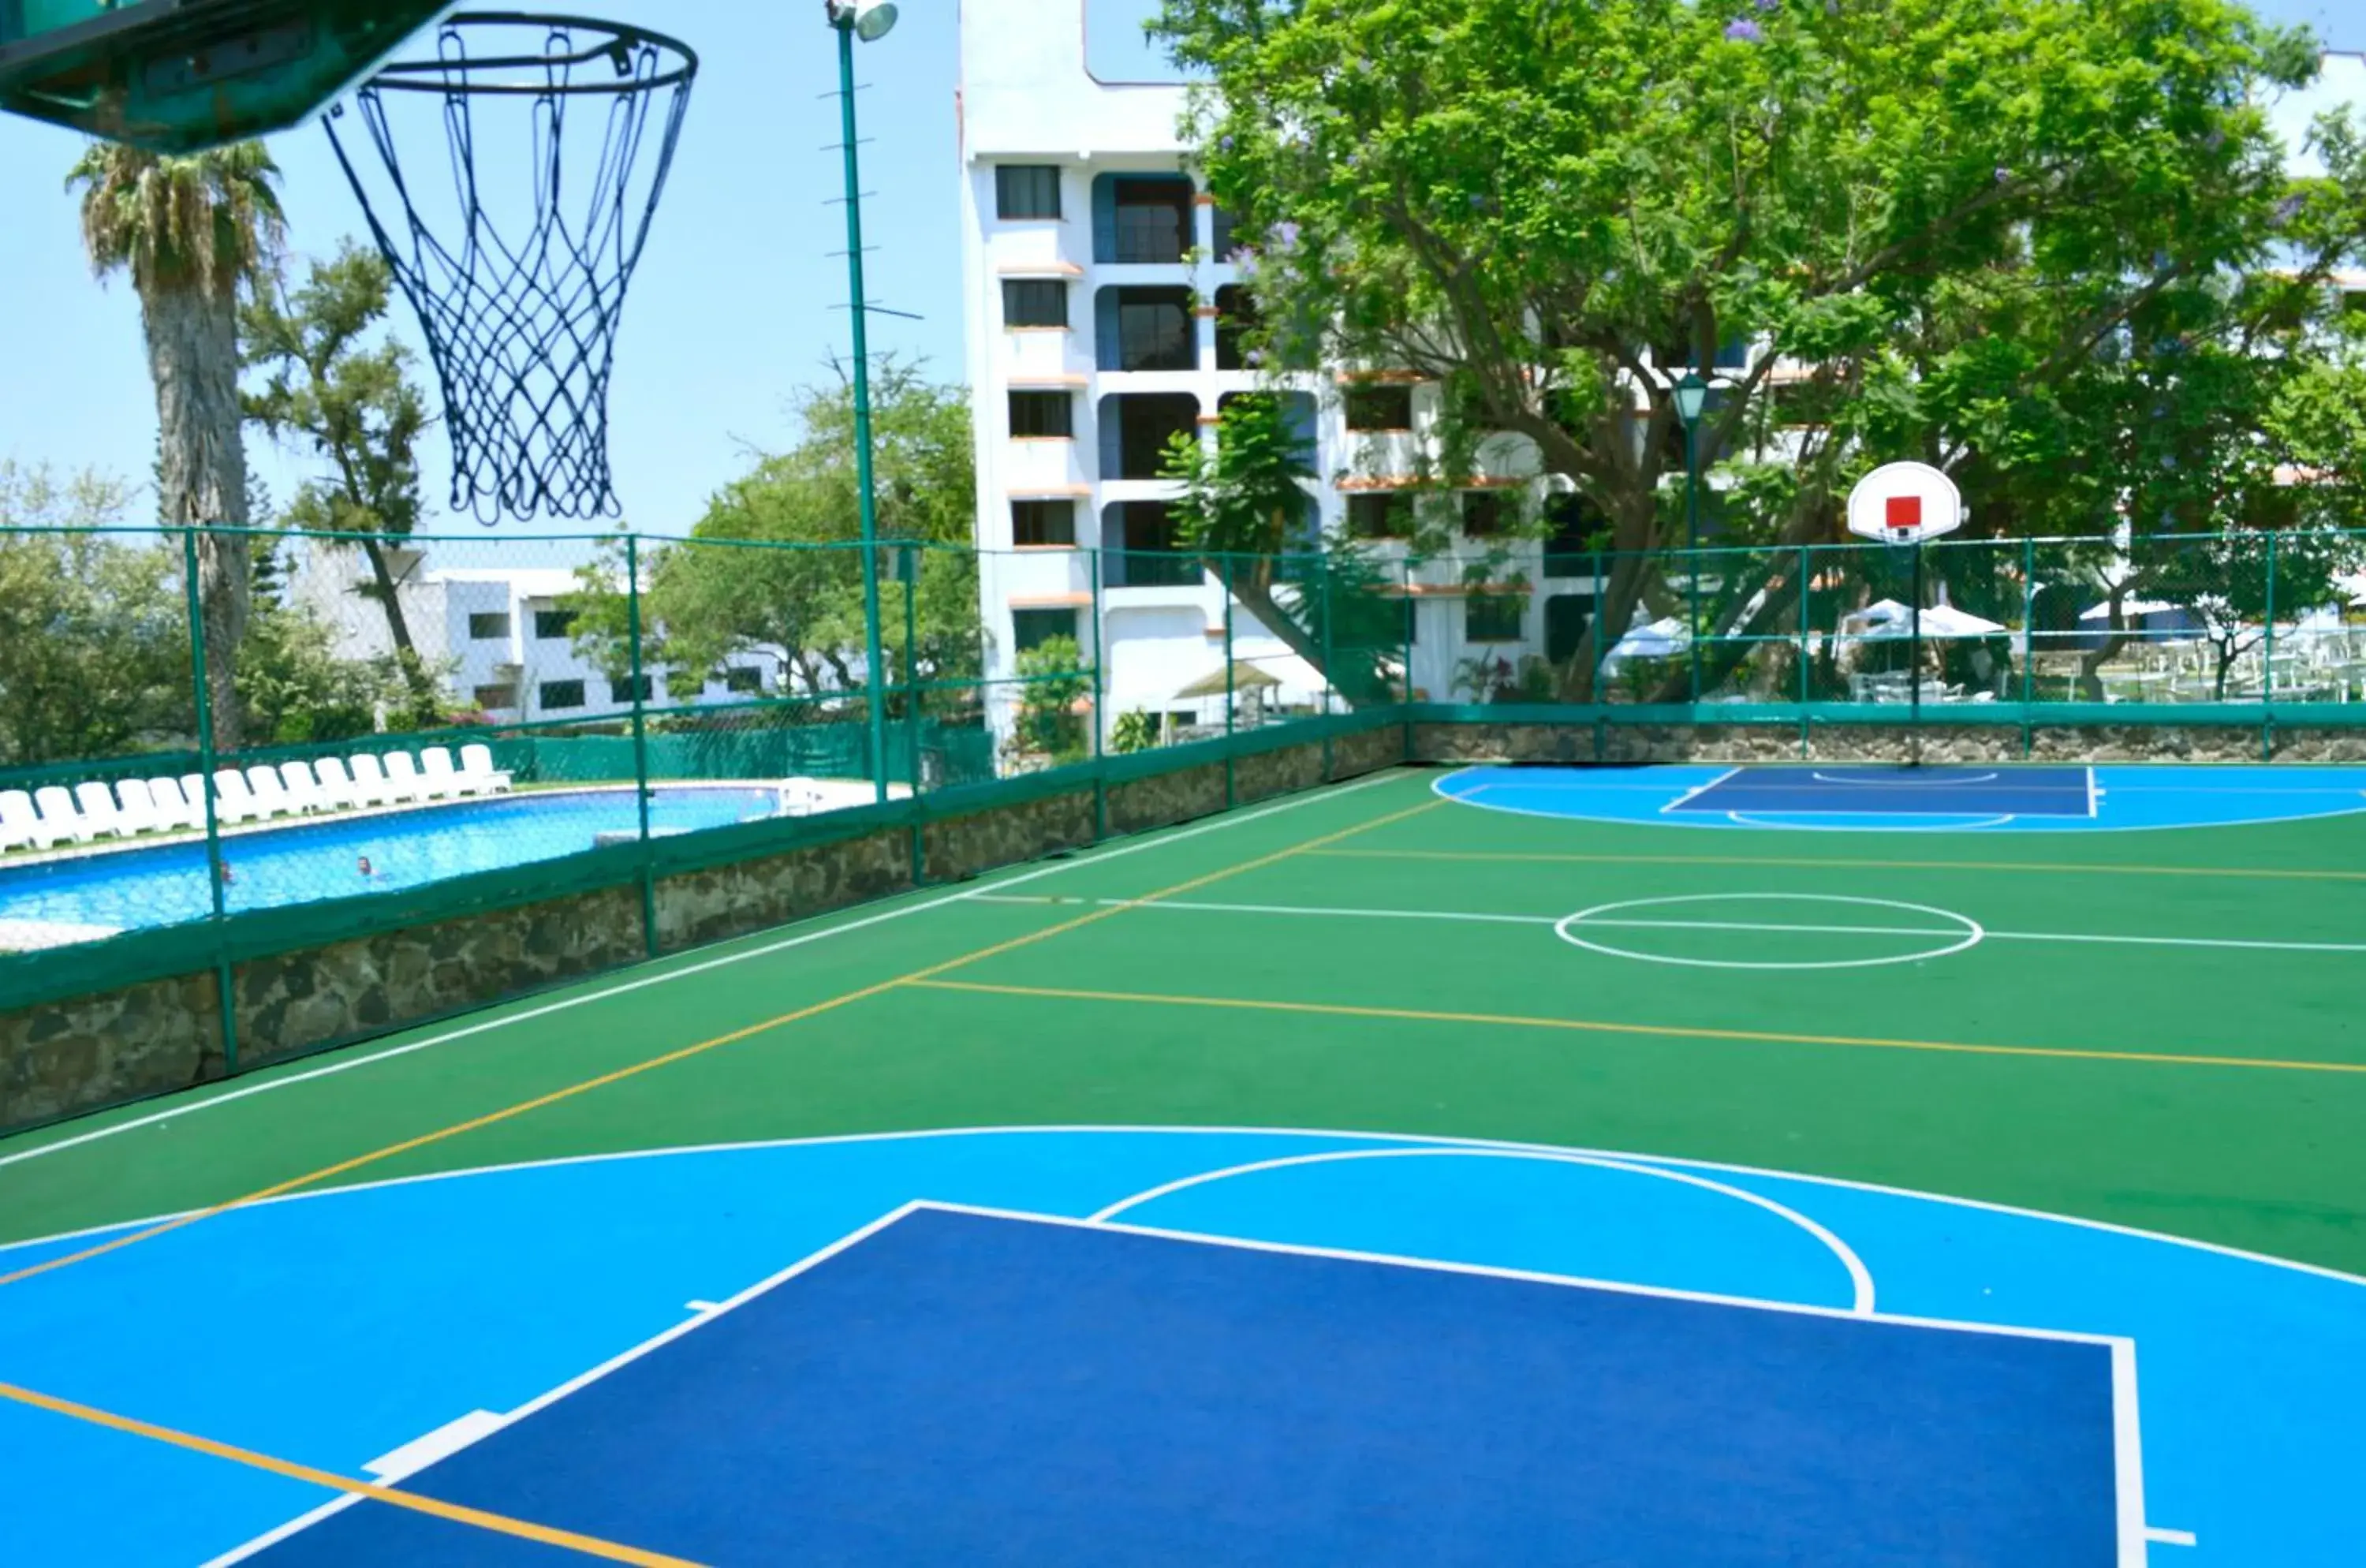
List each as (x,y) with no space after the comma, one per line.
(1652,1031)
(917,1135)
(1680,819)
(1194,906)
(1847,863)
(1969,933)
(1861,1283)
(603,992)
(685,1053)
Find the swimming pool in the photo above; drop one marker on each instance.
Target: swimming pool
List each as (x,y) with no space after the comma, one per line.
(301,863)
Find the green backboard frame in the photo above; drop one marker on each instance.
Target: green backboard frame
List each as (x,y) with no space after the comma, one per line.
(180,76)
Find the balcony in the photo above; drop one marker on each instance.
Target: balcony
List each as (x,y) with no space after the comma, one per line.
(1145,329)
(1143,219)
(1135,428)
(1143,549)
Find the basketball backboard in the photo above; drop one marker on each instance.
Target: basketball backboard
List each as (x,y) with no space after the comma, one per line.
(180,76)
(1905,504)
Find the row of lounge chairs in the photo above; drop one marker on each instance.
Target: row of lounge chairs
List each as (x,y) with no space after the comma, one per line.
(53,815)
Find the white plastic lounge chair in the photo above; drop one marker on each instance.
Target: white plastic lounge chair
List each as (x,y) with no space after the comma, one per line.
(175,809)
(19,823)
(442,780)
(800,797)
(477,766)
(136,809)
(193,790)
(233,802)
(100,818)
(403,774)
(271,799)
(303,788)
(59,820)
(336,784)
(371,787)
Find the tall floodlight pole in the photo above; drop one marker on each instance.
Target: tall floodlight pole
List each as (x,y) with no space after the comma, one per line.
(1692,400)
(869,20)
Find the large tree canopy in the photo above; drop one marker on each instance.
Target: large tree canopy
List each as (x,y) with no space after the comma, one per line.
(2049,244)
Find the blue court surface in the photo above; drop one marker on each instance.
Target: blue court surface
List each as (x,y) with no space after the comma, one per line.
(1176,1345)
(959,1386)
(1936,798)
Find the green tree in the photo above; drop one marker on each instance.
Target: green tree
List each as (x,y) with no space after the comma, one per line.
(93,630)
(733,587)
(1992,234)
(349,402)
(1057,680)
(191,231)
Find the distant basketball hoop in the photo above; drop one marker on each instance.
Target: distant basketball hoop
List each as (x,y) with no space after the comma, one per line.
(1905,504)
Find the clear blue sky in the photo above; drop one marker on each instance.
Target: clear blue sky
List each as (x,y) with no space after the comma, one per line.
(732,308)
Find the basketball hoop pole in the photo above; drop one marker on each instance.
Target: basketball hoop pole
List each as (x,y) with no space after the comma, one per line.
(1914,664)
(875,664)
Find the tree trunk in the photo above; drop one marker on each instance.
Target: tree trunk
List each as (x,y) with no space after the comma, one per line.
(201,472)
(398,629)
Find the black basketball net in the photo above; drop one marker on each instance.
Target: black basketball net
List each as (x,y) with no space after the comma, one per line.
(519,279)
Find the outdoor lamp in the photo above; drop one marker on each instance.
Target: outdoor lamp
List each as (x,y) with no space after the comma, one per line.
(1692,398)
(871,19)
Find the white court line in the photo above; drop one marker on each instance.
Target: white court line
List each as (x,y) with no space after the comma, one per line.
(1189,906)
(2127,1455)
(1859,1277)
(2170,1538)
(1703,789)
(605,992)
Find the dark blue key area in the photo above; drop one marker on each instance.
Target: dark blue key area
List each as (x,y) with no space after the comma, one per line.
(1897,791)
(961,1387)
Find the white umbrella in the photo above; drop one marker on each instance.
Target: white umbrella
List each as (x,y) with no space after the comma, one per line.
(1656,640)
(1888,618)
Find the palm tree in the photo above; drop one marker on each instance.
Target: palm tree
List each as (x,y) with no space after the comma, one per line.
(191,231)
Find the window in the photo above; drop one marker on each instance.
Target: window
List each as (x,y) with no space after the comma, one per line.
(1483,513)
(1033,628)
(1027,190)
(1225,249)
(743,678)
(1236,322)
(631,691)
(1144,220)
(1042,415)
(558,694)
(493,698)
(1386,515)
(1035,302)
(490,627)
(1141,536)
(550,625)
(1492,618)
(1136,428)
(1380,407)
(1042,522)
(1148,329)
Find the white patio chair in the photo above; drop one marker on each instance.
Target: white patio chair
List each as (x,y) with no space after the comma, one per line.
(477,766)
(371,787)
(175,809)
(303,788)
(193,790)
(337,784)
(19,823)
(137,810)
(59,820)
(440,779)
(99,814)
(271,798)
(233,802)
(402,773)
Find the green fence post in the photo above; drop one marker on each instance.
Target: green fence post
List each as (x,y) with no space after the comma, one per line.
(1324,608)
(2268,665)
(1404,709)
(907,566)
(1100,692)
(1806,657)
(216,871)
(1225,569)
(641,742)
(2028,647)
(1603,640)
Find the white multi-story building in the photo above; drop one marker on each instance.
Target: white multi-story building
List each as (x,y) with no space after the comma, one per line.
(1101,282)
(500,638)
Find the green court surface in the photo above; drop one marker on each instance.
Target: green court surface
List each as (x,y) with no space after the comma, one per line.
(2156,1030)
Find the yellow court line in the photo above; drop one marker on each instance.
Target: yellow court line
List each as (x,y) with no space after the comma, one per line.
(1661,1030)
(501,1524)
(1843,864)
(345,1167)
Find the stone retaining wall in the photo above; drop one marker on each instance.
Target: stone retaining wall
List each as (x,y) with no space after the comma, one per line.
(1142,804)
(962,847)
(749,896)
(1367,751)
(144,1040)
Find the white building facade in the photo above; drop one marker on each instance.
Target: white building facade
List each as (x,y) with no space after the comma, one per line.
(1101,282)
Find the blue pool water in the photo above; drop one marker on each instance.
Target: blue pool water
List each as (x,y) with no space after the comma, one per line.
(301,863)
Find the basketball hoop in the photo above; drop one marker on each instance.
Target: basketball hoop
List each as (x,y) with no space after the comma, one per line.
(519,289)
(1905,504)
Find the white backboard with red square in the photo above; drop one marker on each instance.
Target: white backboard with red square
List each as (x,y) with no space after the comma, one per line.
(1904,504)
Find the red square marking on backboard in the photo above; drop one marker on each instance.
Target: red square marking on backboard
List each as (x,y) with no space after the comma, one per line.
(1904,512)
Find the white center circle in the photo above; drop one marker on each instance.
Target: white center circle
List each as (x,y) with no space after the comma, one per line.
(1950,932)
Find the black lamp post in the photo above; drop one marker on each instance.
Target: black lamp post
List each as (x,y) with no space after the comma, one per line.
(1692,399)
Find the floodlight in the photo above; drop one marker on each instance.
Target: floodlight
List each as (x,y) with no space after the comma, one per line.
(871,19)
